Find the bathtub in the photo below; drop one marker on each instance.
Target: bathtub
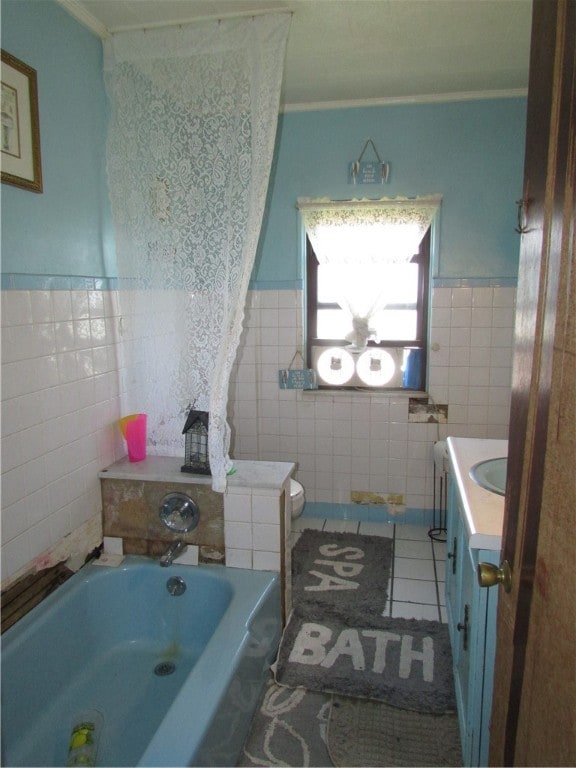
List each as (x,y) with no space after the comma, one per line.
(176,677)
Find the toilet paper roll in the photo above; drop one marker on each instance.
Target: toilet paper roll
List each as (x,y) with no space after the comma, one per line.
(441,456)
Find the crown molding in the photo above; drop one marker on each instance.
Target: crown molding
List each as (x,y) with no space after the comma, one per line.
(436,98)
(76,9)
(79,12)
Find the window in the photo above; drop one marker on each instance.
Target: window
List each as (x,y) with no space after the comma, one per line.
(367,311)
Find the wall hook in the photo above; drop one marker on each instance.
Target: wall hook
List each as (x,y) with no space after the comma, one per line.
(522,215)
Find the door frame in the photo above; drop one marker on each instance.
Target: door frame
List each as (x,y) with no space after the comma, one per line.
(546,253)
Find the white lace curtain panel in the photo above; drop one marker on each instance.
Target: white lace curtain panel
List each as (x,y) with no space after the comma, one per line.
(192,127)
(360,241)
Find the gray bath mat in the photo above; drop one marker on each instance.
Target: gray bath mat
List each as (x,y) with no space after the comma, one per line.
(362,733)
(346,573)
(337,641)
(289,729)
(404,662)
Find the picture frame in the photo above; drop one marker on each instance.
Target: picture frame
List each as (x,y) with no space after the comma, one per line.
(21,163)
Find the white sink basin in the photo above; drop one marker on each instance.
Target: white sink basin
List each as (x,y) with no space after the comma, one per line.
(491,474)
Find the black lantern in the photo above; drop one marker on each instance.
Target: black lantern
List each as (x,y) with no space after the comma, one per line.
(196,458)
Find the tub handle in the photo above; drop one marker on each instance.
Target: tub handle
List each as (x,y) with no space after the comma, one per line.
(179,512)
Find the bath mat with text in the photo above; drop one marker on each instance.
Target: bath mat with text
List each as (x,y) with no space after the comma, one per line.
(404,662)
(348,573)
(337,641)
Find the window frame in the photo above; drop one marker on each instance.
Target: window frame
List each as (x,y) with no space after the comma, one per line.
(423,258)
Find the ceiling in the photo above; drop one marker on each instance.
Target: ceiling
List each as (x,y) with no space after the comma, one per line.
(355,52)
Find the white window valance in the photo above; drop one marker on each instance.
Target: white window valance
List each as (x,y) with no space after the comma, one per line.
(367,231)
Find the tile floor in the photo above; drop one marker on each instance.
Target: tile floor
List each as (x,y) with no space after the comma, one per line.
(417,577)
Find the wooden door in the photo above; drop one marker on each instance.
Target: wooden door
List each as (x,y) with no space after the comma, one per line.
(534,708)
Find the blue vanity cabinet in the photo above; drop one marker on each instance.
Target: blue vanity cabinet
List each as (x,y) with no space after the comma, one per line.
(471,615)
(453,583)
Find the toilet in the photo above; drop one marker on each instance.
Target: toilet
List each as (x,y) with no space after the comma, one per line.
(297,498)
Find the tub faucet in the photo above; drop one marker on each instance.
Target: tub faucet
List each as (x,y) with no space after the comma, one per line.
(175,549)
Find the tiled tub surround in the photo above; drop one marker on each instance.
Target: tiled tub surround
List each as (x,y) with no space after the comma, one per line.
(247,520)
(60,403)
(130,511)
(249,525)
(345,442)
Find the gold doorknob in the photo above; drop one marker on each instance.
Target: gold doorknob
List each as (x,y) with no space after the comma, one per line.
(489,575)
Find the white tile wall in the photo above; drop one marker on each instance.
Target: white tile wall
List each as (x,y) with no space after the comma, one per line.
(361,441)
(60,404)
(252,529)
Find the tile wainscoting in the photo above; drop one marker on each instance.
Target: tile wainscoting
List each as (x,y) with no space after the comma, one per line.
(60,403)
(347,442)
(61,399)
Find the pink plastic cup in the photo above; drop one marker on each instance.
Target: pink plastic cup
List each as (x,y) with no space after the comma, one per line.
(136,438)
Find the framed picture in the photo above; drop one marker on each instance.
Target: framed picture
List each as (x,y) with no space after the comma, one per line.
(20,137)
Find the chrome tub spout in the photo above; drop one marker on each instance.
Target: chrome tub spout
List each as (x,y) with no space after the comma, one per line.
(174,550)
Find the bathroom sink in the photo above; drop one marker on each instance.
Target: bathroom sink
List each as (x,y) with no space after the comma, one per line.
(491,474)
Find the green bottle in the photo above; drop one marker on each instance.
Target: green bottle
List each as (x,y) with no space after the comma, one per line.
(84,738)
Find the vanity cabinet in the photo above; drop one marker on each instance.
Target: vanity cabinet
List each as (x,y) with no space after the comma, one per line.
(471,614)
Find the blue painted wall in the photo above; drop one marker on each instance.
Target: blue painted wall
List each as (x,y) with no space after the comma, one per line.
(66,230)
(472,152)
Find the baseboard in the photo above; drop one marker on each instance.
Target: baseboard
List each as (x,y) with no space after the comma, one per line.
(368,513)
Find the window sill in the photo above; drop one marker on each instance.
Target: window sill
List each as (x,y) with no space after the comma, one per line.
(342,393)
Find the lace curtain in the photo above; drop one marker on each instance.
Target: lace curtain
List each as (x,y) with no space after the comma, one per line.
(192,128)
(361,241)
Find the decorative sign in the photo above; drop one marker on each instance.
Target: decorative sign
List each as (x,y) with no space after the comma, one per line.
(297,378)
(368,172)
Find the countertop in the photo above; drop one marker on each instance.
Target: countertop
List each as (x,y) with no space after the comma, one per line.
(483,510)
(249,474)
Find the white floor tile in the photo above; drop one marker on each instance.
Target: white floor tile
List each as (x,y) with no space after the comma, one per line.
(414,591)
(418,549)
(377,529)
(411,568)
(412,532)
(440,570)
(414,611)
(341,526)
